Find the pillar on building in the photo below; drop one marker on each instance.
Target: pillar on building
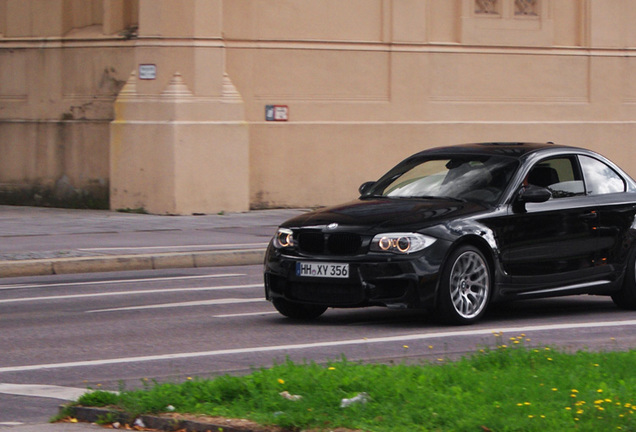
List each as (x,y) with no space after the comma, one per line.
(179,141)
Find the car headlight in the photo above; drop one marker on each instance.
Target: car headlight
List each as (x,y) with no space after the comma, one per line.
(284,238)
(400,243)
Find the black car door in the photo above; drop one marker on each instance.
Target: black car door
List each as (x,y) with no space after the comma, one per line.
(616,209)
(552,245)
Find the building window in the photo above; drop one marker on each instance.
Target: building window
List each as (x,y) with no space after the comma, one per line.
(526,8)
(508,22)
(507,8)
(487,7)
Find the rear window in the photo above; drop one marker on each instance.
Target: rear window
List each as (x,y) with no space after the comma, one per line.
(600,178)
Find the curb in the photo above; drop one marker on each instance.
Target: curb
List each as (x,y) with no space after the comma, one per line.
(151,422)
(45,267)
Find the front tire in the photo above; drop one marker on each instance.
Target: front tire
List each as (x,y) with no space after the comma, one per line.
(297,310)
(626,297)
(465,286)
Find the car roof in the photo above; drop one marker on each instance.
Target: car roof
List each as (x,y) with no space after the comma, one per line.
(510,149)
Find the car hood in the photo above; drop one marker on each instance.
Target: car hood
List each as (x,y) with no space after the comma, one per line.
(387,213)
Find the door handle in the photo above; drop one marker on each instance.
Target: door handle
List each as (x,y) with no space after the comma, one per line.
(589,216)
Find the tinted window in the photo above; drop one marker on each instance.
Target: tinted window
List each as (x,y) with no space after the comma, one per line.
(560,175)
(600,178)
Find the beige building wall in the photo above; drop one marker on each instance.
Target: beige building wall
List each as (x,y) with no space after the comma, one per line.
(365,82)
(62,64)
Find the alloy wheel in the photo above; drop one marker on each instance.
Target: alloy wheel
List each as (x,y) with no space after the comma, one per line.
(469,284)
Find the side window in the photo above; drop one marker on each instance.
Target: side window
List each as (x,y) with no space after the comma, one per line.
(560,175)
(600,178)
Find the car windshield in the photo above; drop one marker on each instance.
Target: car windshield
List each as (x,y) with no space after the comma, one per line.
(466,177)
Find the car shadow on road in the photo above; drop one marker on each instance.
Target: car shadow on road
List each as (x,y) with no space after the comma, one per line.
(553,308)
(595,308)
(368,316)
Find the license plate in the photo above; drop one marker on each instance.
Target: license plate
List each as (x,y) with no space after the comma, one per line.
(323,270)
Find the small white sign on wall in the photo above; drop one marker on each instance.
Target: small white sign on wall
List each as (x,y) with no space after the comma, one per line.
(147,71)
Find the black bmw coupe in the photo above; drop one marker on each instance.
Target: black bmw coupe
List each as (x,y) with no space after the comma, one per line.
(456,228)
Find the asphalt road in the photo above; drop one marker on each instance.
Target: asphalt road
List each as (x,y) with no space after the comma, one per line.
(104,330)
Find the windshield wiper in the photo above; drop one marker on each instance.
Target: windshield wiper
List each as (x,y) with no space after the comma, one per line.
(438,197)
(431,197)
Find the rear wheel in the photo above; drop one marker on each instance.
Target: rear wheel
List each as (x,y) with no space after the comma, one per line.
(626,297)
(297,310)
(465,286)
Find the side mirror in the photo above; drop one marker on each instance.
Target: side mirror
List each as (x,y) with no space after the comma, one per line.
(533,194)
(366,187)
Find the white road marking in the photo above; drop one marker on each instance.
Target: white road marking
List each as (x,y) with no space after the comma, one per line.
(125,293)
(212,246)
(244,314)
(183,304)
(113,281)
(46,391)
(326,344)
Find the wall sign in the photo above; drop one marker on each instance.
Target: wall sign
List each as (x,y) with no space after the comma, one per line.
(147,71)
(276,112)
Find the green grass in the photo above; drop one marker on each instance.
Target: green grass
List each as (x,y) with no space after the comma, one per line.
(505,388)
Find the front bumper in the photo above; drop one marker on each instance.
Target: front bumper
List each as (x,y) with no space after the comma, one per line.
(401,282)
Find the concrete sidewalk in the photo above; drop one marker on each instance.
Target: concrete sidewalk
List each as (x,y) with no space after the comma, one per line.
(44,241)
